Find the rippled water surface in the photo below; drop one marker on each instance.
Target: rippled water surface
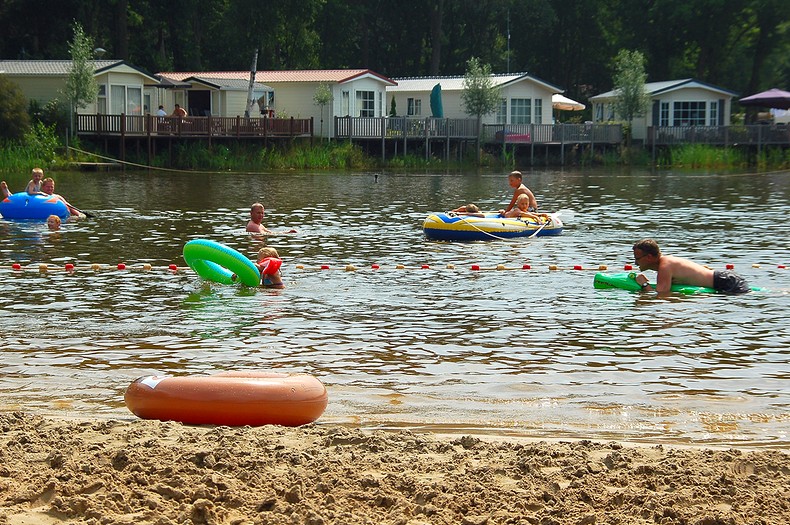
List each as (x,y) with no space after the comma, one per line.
(534,352)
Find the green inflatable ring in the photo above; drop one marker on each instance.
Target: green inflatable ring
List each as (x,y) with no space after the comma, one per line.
(219,263)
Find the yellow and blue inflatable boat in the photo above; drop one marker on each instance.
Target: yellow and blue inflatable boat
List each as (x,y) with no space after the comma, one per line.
(449,226)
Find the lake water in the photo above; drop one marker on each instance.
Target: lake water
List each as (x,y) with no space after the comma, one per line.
(535,352)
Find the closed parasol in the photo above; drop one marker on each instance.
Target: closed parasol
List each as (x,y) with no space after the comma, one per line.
(436,101)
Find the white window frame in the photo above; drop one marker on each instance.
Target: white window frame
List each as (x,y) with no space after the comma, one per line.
(501,114)
(687,113)
(521,111)
(713,113)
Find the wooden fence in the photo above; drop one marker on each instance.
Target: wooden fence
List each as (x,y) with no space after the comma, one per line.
(218,127)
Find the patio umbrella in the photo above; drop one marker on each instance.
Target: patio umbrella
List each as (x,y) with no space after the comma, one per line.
(773,98)
(436,101)
(560,102)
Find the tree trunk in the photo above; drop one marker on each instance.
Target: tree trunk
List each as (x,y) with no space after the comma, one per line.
(436,36)
(121,34)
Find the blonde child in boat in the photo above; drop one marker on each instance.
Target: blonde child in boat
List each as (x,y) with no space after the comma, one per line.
(521,209)
(33,187)
(469,209)
(269,265)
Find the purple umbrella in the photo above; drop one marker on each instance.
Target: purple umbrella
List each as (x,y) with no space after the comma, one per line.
(773,98)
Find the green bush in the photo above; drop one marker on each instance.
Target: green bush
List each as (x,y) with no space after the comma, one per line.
(14,120)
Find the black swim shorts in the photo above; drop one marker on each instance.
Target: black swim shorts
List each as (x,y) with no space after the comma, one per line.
(725,281)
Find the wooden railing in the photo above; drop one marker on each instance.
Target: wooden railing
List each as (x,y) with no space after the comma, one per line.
(404,128)
(145,125)
(758,135)
(553,133)
(435,128)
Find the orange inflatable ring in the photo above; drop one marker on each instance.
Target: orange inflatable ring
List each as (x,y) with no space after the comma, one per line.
(229,398)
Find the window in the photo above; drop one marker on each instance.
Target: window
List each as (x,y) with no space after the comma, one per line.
(101,106)
(501,114)
(366,101)
(599,112)
(379,104)
(538,111)
(345,110)
(134,102)
(117,100)
(663,118)
(688,114)
(714,113)
(520,111)
(414,107)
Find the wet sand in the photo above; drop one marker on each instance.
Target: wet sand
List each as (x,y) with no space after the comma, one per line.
(55,471)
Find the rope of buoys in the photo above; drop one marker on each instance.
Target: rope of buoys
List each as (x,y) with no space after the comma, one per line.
(173,268)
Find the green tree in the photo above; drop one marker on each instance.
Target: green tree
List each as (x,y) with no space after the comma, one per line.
(631,100)
(393,108)
(81,87)
(322,97)
(480,96)
(14,120)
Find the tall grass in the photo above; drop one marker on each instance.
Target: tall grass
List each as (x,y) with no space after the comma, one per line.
(222,157)
(40,148)
(704,156)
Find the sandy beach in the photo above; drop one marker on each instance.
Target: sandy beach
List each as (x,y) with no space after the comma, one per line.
(55,471)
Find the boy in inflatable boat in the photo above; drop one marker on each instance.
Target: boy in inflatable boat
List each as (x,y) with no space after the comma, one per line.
(33,187)
(514,179)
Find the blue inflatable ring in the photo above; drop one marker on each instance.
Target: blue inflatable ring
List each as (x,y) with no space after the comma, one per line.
(36,207)
(219,263)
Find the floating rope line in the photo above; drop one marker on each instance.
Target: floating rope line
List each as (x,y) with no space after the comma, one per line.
(157,168)
(173,268)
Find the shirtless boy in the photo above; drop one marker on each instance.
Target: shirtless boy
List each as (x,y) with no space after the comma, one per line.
(675,270)
(514,179)
(521,209)
(33,187)
(256,221)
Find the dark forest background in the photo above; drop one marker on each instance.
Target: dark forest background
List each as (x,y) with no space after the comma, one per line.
(743,45)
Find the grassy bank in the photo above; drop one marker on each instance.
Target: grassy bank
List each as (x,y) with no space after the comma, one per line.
(41,147)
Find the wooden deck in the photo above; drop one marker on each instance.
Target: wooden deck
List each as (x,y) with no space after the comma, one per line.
(427,131)
(137,126)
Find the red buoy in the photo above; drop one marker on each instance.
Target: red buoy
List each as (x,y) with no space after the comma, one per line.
(375,266)
(121,266)
(16,266)
(730,266)
(526,267)
(475,267)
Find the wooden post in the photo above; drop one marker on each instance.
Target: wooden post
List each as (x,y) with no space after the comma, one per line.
(447,140)
(123,136)
(383,138)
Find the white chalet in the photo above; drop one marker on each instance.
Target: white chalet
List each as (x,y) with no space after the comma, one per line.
(685,102)
(525,99)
